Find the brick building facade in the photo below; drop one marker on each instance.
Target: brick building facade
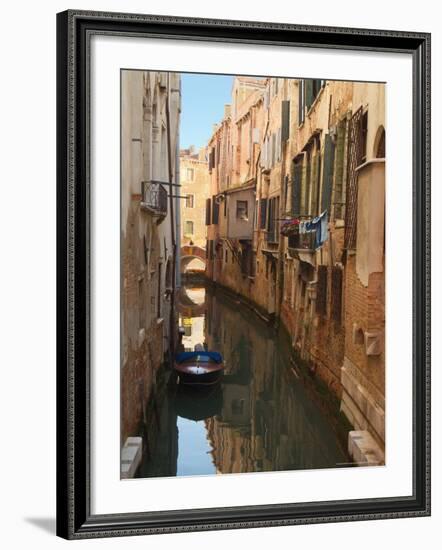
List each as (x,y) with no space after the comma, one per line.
(296,225)
(149,233)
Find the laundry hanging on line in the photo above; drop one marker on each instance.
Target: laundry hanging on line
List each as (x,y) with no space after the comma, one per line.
(318,224)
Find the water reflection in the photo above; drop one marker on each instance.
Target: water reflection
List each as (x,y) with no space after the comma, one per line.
(266,415)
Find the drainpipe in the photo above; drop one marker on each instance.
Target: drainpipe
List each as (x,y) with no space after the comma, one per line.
(280,264)
(172,224)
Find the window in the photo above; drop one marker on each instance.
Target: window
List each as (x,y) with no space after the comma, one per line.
(263,214)
(242,210)
(188,228)
(364,131)
(255,215)
(208,211)
(190,201)
(312,89)
(273,225)
(328,170)
(189,174)
(215,211)
(340,170)
(285,120)
(301,102)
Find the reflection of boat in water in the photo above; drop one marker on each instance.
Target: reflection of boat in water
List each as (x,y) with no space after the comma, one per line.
(199,367)
(198,404)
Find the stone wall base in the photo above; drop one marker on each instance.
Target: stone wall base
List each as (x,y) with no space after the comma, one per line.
(361,408)
(131,455)
(363,449)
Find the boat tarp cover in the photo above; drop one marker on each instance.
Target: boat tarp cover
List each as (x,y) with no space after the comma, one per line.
(186,355)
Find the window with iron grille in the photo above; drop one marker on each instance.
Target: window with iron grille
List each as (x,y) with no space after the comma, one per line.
(321,292)
(355,158)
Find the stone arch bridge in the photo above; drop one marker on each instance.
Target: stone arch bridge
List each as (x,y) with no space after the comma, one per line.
(189,253)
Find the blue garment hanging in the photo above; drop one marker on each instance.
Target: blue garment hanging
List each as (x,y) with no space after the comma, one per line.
(320,225)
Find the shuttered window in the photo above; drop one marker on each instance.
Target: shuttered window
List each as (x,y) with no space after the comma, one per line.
(336,294)
(296,188)
(285,120)
(321,293)
(308,90)
(263,214)
(340,172)
(208,211)
(215,211)
(327,180)
(306,186)
(301,102)
(312,89)
(316,163)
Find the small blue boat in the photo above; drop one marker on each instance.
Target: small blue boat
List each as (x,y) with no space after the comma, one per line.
(199,367)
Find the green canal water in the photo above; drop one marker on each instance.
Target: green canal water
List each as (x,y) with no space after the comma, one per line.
(267,414)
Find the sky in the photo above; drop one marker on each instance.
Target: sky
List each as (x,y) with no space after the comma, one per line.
(203,97)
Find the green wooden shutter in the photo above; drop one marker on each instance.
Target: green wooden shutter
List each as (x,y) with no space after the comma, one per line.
(315,181)
(301,102)
(215,211)
(263,214)
(208,211)
(308,91)
(327,180)
(305,187)
(285,120)
(296,188)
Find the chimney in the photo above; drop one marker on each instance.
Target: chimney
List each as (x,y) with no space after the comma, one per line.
(227,110)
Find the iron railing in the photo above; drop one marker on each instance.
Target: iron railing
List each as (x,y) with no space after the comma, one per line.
(302,241)
(154,196)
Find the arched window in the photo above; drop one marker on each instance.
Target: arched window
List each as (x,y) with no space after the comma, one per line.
(379,143)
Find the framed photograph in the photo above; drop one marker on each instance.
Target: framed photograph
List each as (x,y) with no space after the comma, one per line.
(243,275)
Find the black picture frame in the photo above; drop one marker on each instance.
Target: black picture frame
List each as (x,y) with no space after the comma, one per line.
(74,518)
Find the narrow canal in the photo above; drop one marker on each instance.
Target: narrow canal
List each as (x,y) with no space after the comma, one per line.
(267,414)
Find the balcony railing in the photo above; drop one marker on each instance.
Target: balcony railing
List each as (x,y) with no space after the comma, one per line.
(272,235)
(302,241)
(154,197)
